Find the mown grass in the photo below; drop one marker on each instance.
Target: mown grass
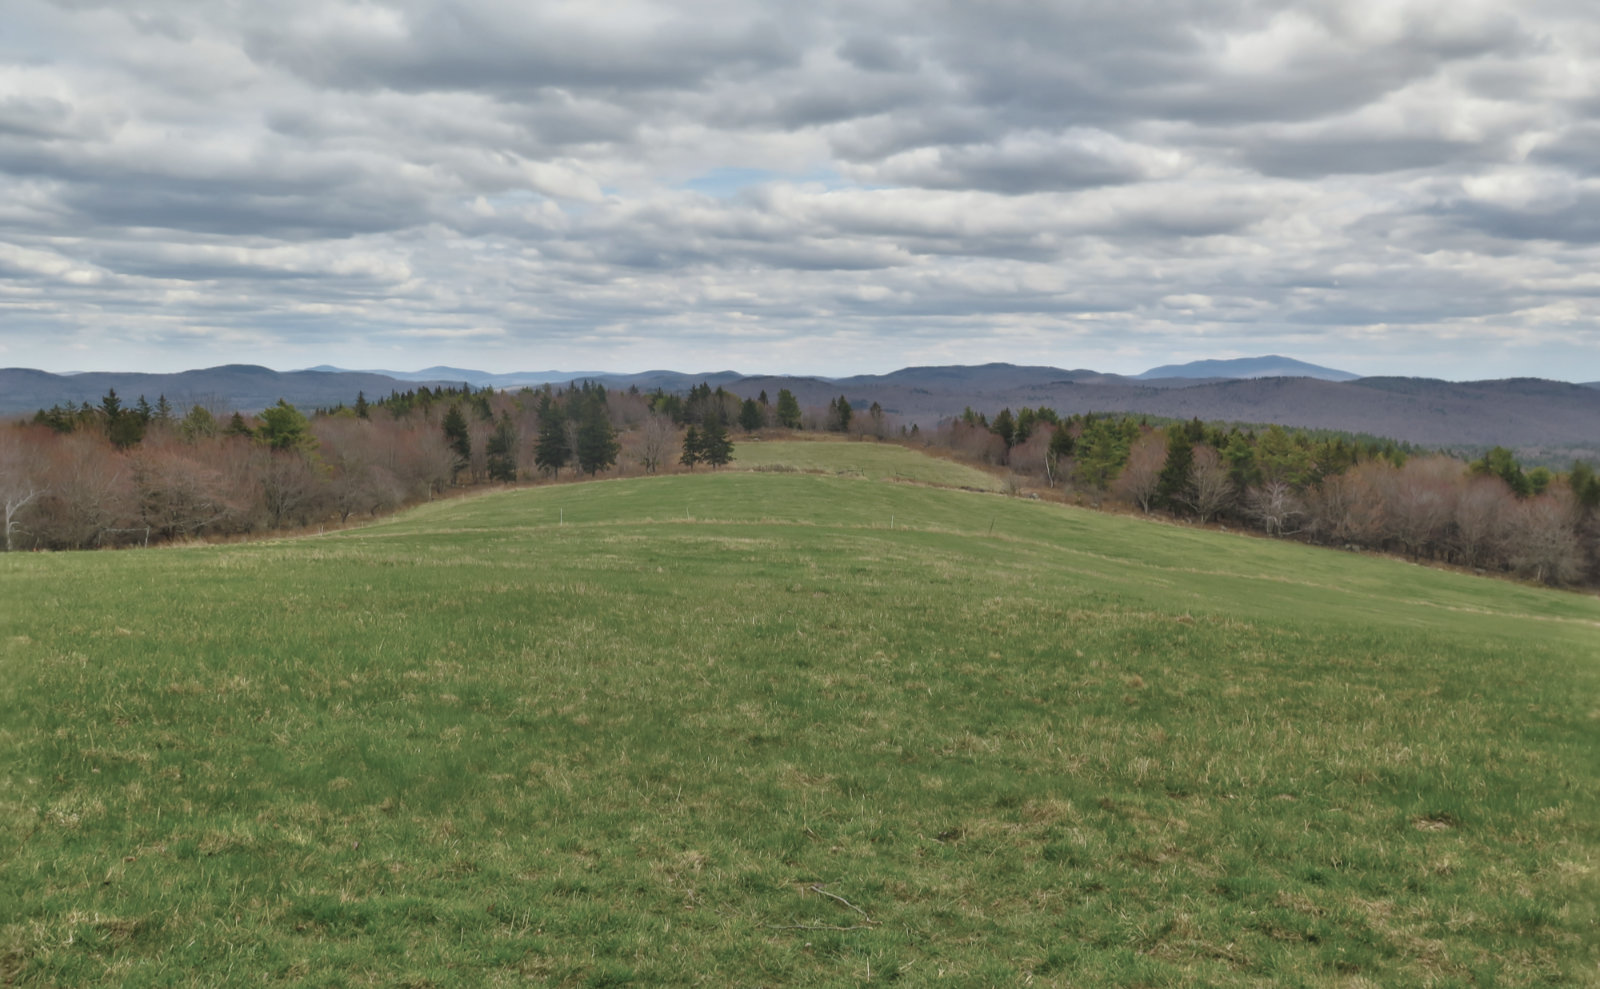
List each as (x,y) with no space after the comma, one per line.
(737,730)
(860,458)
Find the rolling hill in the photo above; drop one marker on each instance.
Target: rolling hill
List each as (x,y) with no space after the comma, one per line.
(789,728)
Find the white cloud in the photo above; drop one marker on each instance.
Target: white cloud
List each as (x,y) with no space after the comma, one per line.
(826,187)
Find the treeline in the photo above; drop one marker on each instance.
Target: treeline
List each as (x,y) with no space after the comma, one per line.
(82,476)
(113,474)
(1317,486)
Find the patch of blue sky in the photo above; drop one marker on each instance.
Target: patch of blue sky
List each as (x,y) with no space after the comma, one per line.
(724,182)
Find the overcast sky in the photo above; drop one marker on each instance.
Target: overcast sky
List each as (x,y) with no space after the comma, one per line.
(1385,186)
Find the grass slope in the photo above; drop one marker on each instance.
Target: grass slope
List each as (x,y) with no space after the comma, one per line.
(874,461)
(735,729)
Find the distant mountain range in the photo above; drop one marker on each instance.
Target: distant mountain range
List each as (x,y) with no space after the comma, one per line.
(644,380)
(1271,366)
(247,387)
(1519,412)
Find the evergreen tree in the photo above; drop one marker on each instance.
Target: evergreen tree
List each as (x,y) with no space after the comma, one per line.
(1102,451)
(363,410)
(1240,456)
(1502,463)
(1282,457)
(1585,485)
(1026,418)
(124,428)
(284,428)
(788,409)
(597,440)
(238,427)
(1005,427)
(502,450)
(460,442)
(750,417)
(1062,443)
(716,448)
(1175,474)
(552,452)
(163,409)
(839,413)
(693,449)
(198,423)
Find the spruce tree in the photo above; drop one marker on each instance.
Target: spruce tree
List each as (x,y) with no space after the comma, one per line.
(715,446)
(455,434)
(693,449)
(597,440)
(750,417)
(843,413)
(1005,427)
(788,409)
(124,428)
(1175,474)
(502,450)
(551,453)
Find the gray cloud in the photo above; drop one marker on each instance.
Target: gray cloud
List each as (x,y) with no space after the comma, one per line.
(826,187)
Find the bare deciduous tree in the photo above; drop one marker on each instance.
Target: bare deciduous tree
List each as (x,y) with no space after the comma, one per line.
(1142,475)
(1276,506)
(18,486)
(1419,502)
(658,440)
(1210,489)
(1484,508)
(1544,543)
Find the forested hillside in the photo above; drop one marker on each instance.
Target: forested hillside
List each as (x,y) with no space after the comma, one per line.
(114,474)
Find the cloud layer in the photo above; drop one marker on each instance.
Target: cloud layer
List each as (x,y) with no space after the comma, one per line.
(1406,186)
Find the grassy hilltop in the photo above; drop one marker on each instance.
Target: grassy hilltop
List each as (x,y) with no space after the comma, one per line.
(738,730)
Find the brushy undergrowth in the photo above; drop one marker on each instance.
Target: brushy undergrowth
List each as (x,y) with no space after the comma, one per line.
(735,729)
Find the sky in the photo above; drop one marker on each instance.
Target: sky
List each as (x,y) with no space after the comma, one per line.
(1382,186)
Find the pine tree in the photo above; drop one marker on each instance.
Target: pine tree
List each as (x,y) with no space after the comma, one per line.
(502,450)
(842,413)
(750,416)
(597,440)
(1175,473)
(1585,485)
(551,453)
(693,449)
(238,427)
(123,427)
(716,448)
(788,409)
(363,410)
(1005,427)
(460,442)
(284,428)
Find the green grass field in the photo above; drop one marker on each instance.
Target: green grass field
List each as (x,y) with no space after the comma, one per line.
(736,729)
(860,458)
